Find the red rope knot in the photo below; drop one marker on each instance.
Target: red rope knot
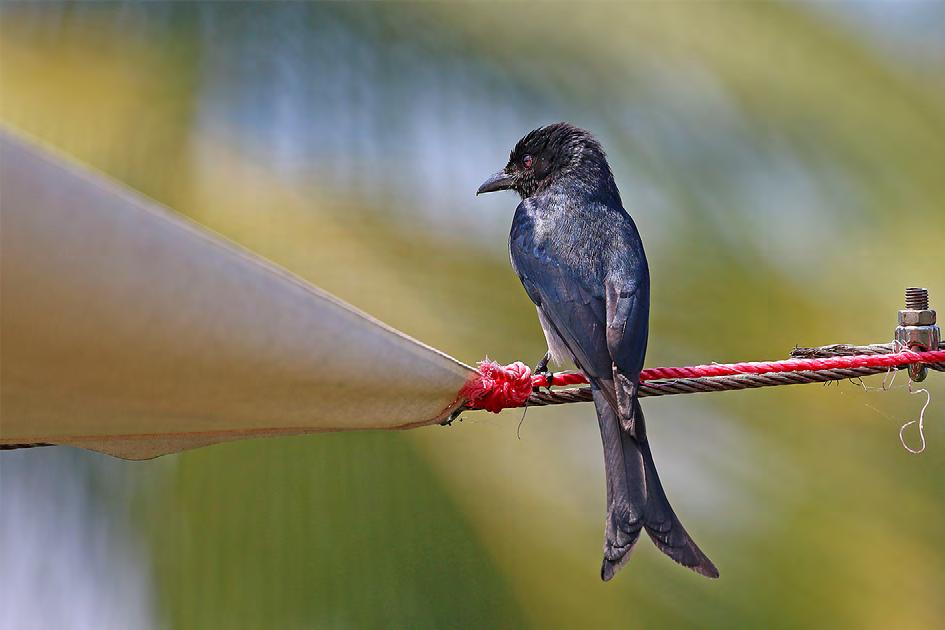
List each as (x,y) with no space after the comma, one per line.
(498,387)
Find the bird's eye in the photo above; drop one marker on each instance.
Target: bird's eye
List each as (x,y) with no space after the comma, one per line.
(527,161)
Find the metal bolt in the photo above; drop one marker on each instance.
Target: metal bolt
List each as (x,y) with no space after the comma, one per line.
(917,298)
(917,330)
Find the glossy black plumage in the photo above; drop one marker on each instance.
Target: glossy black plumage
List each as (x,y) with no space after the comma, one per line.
(581,260)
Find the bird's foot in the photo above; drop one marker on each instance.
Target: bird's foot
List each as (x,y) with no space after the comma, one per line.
(542,370)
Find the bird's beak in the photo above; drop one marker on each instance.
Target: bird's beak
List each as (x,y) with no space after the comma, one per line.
(499,181)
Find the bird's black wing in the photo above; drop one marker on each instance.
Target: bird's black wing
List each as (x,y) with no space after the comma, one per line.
(572,303)
(627,299)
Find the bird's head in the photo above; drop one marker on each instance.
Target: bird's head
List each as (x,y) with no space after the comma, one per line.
(546,154)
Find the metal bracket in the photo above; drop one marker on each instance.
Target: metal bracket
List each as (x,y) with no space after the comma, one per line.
(917,330)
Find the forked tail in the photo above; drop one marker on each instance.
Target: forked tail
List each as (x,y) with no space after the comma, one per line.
(636,500)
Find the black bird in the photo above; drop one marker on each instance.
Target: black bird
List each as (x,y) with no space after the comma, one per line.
(579,255)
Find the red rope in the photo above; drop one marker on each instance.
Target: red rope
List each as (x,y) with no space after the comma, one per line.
(499,387)
(794,365)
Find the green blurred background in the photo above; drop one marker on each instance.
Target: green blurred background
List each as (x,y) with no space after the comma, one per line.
(786,166)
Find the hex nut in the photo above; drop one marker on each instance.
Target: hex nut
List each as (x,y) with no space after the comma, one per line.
(910,317)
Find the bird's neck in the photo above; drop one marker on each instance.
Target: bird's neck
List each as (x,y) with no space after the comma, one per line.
(593,182)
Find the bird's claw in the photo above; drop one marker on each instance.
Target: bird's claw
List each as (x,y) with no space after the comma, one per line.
(542,369)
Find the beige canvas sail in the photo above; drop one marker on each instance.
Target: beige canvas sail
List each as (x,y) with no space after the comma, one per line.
(127,329)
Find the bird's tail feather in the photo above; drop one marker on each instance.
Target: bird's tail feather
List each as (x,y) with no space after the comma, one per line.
(636,499)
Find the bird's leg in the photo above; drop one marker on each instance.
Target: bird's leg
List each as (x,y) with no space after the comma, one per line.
(542,368)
